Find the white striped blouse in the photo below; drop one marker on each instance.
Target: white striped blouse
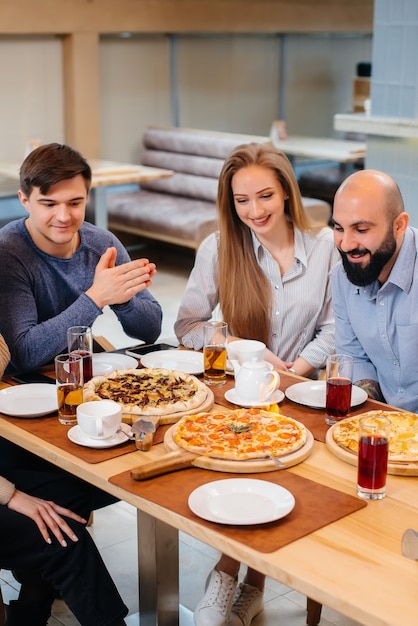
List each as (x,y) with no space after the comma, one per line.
(302,317)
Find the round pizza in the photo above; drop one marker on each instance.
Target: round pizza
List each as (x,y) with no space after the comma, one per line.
(403,441)
(148,391)
(240,435)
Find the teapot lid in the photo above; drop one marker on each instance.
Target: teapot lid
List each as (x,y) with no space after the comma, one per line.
(255,363)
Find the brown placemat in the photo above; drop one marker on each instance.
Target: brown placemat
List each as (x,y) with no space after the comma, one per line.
(316,505)
(49,429)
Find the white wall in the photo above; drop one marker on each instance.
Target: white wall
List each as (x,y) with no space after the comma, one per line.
(234,83)
(229,83)
(319,74)
(134,93)
(31,93)
(225,82)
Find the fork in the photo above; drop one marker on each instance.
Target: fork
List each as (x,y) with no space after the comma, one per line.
(278,463)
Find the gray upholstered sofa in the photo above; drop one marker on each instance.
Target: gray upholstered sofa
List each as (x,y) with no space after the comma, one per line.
(181,209)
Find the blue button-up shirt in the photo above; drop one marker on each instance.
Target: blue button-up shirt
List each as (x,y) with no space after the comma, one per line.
(379,326)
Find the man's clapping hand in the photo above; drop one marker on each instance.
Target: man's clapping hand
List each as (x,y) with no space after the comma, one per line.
(116,284)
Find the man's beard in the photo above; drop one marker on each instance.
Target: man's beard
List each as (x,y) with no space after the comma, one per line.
(362,276)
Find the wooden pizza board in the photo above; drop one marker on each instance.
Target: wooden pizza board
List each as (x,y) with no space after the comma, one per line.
(396,469)
(177,458)
(129,418)
(172,418)
(242,467)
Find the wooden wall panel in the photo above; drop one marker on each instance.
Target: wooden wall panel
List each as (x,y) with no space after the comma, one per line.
(111,16)
(81,92)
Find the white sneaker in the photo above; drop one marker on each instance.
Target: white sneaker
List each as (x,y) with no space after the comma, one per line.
(214,608)
(248,602)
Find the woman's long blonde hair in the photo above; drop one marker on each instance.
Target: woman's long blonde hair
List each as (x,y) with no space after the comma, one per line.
(244,290)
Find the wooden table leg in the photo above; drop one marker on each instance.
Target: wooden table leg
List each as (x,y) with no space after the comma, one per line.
(313,609)
(158,572)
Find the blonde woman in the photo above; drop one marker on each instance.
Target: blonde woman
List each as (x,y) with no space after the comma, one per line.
(268,270)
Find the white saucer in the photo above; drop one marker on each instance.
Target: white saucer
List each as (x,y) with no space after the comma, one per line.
(76,435)
(231,396)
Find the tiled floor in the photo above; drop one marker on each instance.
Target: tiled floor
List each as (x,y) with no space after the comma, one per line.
(114,528)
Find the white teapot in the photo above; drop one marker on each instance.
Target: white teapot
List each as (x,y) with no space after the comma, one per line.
(255,381)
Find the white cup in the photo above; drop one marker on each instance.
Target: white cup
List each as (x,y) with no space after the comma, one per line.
(99,420)
(243,350)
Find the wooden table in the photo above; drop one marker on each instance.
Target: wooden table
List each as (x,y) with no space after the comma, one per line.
(353,565)
(341,150)
(104,175)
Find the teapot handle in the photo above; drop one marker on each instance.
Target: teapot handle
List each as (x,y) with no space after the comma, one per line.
(274,382)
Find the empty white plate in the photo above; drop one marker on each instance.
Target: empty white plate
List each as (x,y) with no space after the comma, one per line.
(241,501)
(186,361)
(106,362)
(30,400)
(312,393)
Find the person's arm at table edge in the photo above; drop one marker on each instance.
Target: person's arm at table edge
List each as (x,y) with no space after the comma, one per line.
(372,388)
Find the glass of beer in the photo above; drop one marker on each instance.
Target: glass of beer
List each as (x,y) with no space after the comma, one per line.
(373,450)
(339,371)
(80,341)
(215,335)
(69,381)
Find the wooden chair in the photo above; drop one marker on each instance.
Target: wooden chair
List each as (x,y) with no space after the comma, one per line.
(102,343)
(313,610)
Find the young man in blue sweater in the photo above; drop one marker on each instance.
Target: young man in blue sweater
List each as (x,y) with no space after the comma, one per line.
(57,271)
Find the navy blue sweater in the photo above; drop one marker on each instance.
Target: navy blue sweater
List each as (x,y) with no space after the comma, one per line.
(42,295)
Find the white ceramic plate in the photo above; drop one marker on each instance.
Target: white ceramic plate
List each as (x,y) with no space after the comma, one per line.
(186,361)
(231,396)
(106,362)
(312,393)
(76,435)
(241,501)
(30,400)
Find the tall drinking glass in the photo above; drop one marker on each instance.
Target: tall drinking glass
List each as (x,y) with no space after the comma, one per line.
(339,371)
(80,341)
(373,451)
(215,335)
(69,381)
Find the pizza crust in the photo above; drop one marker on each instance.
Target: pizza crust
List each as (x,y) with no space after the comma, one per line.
(155,392)
(240,434)
(403,442)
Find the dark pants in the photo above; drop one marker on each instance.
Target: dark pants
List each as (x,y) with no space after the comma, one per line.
(15,458)
(77,572)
